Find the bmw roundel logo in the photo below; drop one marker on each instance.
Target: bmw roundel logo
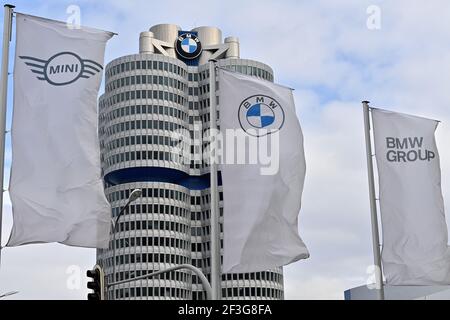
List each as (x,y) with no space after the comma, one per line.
(260,115)
(188,46)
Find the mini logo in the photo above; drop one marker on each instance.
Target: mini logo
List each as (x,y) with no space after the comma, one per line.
(188,46)
(62,68)
(262,114)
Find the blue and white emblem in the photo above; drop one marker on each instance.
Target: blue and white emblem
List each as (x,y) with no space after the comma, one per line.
(188,46)
(260,115)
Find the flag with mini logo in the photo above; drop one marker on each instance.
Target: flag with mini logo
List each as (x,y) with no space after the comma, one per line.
(414,246)
(55,187)
(263,172)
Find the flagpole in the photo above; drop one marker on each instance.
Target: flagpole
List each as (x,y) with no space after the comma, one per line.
(7,28)
(373,204)
(214,218)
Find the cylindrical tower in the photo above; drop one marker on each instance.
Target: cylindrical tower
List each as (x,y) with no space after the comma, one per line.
(167,33)
(150,98)
(209,36)
(145,42)
(143,104)
(233,49)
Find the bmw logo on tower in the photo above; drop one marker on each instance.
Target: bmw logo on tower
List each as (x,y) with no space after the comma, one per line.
(188,45)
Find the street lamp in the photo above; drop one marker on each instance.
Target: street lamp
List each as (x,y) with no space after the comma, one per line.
(8,294)
(134,195)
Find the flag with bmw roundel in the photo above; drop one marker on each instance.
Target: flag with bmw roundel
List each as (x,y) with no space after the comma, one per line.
(262,199)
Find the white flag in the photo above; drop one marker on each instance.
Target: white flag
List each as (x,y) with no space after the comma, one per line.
(55,186)
(415,250)
(262,198)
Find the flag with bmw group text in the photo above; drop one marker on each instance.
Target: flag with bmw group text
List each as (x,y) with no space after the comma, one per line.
(415,250)
(55,187)
(262,175)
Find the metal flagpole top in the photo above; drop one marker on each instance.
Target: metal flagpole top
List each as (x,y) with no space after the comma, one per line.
(366,104)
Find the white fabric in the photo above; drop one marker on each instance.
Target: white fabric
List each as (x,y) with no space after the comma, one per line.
(261,211)
(55,186)
(415,250)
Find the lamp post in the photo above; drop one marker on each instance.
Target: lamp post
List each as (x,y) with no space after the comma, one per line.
(134,195)
(195,270)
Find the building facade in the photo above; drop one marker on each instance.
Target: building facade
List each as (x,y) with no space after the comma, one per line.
(149,96)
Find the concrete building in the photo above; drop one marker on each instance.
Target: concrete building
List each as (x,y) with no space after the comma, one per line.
(148,96)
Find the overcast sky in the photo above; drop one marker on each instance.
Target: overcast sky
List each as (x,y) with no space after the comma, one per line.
(327,52)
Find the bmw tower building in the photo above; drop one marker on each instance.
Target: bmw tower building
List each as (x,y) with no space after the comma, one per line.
(149,96)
